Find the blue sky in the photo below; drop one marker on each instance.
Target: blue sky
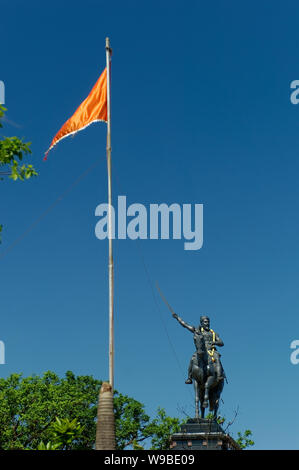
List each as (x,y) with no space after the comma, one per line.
(201,113)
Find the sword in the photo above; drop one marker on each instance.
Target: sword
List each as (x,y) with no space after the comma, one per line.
(164,300)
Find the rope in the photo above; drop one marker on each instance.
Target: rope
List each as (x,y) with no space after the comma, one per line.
(149,279)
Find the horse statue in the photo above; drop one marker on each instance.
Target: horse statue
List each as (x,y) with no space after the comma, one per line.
(207,385)
(205,368)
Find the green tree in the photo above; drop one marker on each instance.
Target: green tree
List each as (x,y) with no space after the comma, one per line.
(244,440)
(64,433)
(12,152)
(161,428)
(48,412)
(134,426)
(30,406)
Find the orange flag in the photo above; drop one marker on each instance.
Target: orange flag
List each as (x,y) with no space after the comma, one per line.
(92,109)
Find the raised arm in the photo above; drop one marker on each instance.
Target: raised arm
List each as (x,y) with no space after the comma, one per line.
(184,324)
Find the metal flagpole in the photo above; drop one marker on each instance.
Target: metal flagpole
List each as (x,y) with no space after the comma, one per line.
(110,261)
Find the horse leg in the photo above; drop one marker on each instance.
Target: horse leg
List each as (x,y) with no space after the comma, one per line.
(208,384)
(214,403)
(196,390)
(216,398)
(205,403)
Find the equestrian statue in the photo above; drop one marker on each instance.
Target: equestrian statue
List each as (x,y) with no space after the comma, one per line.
(205,368)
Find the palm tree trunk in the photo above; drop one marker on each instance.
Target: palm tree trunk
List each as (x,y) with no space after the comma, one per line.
(105,435)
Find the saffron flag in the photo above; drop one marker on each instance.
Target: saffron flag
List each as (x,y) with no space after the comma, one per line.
(92,109)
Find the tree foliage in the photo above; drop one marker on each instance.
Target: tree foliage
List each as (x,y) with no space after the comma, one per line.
(30,407)
(64,434)
(12,152)
(48,413)
(244,440)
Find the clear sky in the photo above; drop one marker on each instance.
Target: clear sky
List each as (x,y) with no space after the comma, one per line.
(201,113)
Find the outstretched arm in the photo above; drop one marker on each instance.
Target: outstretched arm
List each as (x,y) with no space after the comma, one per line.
(184,324)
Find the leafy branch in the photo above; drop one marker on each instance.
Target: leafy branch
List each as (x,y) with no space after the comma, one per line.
(12,152)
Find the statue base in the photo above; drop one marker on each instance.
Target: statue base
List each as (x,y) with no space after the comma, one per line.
(202,434)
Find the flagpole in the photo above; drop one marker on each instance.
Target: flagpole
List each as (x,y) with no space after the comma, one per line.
(110,260)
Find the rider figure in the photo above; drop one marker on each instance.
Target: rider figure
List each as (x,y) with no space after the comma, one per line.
(211,340)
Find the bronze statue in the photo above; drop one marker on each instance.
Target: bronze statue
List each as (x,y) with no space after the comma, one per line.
(205,367)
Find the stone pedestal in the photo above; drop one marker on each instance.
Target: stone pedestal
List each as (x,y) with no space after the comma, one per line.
(202,434)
